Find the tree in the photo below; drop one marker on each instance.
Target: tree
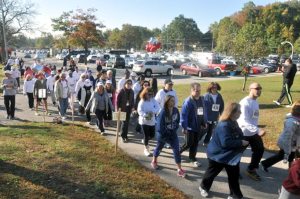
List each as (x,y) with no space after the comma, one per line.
(182,31)
(45,41)
(17,17)
(81,28)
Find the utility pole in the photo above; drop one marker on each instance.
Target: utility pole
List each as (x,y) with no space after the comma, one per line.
(3,29)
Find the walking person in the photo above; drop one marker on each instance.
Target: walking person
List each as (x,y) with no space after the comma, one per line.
(214,105)
(289,139)
(99,104)
(248,122)
(147,110)
(85,95)
(50,86)
(193,122)
(166,129)
(225,151)
(28,88)
(166,90)
(10,87)
(111,92)
(71,80)
(40,93)
(289,73)
(79,85)
(15,73)
(62,93)
(291,185)
(125,101)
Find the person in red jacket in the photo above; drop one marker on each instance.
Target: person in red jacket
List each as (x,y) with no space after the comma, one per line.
(291,185)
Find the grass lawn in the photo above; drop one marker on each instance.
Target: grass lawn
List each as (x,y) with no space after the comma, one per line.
(271,116)
(51,161)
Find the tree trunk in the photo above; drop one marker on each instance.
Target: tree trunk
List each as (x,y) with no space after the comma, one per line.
(245,81)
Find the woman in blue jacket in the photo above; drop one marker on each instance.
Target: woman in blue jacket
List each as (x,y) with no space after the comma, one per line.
(225,151)
(214,105)
(166,129)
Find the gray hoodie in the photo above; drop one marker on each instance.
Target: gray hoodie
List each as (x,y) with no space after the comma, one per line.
(10,86)
(289,139)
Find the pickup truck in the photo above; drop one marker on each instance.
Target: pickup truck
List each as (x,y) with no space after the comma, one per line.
(221,68)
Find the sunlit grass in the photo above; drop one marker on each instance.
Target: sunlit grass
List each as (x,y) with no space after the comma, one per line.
(51,161)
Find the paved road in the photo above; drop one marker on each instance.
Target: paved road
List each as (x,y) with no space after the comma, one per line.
(267,189)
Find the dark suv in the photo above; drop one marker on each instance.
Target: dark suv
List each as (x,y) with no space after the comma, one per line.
(116,62)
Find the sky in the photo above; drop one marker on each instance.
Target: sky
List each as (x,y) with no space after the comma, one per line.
(146,13)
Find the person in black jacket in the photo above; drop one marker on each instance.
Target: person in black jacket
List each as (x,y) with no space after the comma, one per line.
(289,73)
(125,101)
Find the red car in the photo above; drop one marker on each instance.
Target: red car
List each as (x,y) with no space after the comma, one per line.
(194,68)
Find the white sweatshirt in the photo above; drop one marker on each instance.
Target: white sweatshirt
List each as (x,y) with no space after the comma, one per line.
(248,119)
(144,107)
(50,83)
(28,86)
(161,95)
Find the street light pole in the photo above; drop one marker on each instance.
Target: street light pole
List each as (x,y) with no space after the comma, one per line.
(287,42)
(3,29)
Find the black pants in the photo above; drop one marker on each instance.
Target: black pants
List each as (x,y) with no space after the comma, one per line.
(286,92)
(125,123)
(18,81)
(233,173)
(191,143)
(30,100)
(10,103)
(209,131)
(257,147)
(100,116)
(88,115)
(277,158)
(149,132)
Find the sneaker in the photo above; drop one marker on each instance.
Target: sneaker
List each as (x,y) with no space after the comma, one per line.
(288,106)
(167,146)
(181,173)
(63,118)
(102,133)
(276,102)
(36,113)
(142,141)
(7,117)
(146,152)
(47,113)
(203,193)
(124,140)
(230,197)
(253,175)
(12,118)
(197,164)
(154,165)
(263,168)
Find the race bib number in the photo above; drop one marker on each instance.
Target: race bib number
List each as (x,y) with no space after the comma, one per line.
(255,114)
(200,111)
(216,107)
(42,93)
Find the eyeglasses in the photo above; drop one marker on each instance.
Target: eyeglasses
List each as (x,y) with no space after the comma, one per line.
(257,88)
(196,90)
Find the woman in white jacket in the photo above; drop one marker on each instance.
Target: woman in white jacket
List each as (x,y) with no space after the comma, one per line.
(28,90)
(148,108)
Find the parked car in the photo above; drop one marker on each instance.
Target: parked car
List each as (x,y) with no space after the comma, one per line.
(221,68)
(265,67)
(91,58)
(80,58)
(150,67)
(27,55)
(129,62)
(115,62)
(195,68)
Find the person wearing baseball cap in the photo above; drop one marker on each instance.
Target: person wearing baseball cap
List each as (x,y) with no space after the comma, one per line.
(10,86)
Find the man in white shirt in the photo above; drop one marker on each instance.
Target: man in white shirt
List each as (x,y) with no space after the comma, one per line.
(71,80)
(122,81)
(50,86)
(248,122)
(167,90)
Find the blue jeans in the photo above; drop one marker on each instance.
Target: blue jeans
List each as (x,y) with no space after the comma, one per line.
(63,104)
(174,143)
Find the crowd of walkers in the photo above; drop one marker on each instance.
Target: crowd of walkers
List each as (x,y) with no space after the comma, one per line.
(227,129)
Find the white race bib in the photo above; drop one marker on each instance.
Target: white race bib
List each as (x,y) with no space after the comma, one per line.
(216,107)
(200,111)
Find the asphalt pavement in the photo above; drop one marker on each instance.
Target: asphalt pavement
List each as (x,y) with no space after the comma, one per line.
(266,189)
